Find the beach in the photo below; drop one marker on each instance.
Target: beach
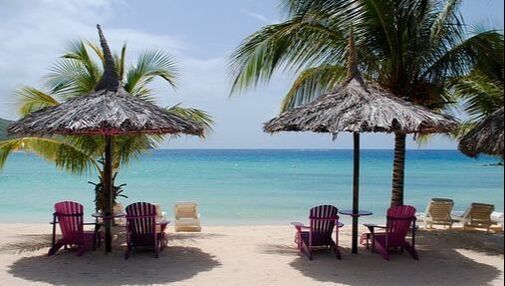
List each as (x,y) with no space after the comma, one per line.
(251,255)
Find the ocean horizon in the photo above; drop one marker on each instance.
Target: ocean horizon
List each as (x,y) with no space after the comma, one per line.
(255,186)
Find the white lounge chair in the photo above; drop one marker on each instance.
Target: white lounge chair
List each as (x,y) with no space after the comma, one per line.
(479,216)
(187,217)
(438,212)
(499,218)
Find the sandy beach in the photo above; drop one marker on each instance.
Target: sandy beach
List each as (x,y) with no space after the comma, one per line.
(251,255)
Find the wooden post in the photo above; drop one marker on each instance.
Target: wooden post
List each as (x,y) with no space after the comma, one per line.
(108,189)
(355,193)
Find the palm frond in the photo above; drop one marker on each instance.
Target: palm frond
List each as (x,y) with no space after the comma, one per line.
(76,72)
(481,95)
(460,59)
(311,84)
(133,146)
(294,45)
(31,99)
(195,115)
(150,65)
(57,150)
(120,62)
(70,78)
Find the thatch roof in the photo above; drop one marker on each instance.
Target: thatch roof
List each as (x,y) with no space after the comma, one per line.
(486,137)
(109,110)
(358,106)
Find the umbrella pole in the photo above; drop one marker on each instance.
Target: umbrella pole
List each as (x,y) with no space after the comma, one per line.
(355,194)
(107,176)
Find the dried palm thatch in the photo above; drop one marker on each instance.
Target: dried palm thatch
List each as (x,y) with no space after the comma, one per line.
(358,106)
(104,112)
(486,137)
(109,110)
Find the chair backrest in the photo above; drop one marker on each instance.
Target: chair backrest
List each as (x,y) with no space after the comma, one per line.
(322,219)
(70,218)
(440,209)
(141,221)
(399,222)
(186,210)
(481,213)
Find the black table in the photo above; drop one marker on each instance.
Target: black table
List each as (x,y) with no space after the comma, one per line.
(355,216)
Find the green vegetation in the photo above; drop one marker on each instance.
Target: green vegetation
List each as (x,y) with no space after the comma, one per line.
(482,90)
(415,49)
(3,126)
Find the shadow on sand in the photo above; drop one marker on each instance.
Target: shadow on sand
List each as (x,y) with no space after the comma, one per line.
(439,258)
(96,268)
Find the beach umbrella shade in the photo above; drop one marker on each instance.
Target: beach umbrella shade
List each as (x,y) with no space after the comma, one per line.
(107,111)
(357,106)
(486,137)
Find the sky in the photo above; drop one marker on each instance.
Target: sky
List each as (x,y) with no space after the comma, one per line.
(201,35)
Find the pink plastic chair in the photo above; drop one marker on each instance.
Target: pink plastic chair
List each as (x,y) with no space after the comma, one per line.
(400,220)
(142,229)
(323,220)
(70,217)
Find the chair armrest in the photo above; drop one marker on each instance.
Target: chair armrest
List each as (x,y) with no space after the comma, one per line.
(299,226)
(372,227)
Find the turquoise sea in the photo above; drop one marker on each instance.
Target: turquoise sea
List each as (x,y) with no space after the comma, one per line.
(255,186)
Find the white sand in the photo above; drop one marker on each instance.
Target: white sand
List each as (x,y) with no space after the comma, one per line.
(257,255)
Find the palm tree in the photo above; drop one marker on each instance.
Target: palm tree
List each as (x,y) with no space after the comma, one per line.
(77,73)
(482,90)
(411,48)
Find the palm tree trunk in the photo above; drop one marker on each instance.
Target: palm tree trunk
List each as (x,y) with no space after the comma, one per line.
(399,170)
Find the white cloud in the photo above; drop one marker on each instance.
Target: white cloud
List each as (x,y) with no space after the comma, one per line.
(34,33)
(260,17)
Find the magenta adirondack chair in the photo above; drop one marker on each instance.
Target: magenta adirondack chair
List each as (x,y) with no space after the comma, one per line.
(400,220)
(142,230)
(323,220)
(70,217)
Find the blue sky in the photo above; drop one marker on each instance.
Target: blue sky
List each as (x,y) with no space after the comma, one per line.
(201,35)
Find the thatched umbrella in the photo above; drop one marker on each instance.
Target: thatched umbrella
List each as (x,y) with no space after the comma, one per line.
(486,137)
(357,106)
(108,111)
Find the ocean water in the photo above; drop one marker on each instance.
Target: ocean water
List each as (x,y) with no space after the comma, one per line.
(255,186)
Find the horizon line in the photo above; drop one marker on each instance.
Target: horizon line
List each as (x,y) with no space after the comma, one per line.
(301,149)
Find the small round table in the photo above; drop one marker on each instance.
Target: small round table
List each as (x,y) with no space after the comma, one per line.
(101,215)
(360,213)
(355,216)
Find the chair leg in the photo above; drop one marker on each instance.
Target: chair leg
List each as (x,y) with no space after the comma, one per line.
(412,251)
(157,250)
(81,250)
(127,252)
(382,251)
(306,249)
(55,248)
(336,251)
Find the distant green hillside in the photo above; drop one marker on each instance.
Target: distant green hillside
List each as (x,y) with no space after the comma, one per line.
(3,126)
